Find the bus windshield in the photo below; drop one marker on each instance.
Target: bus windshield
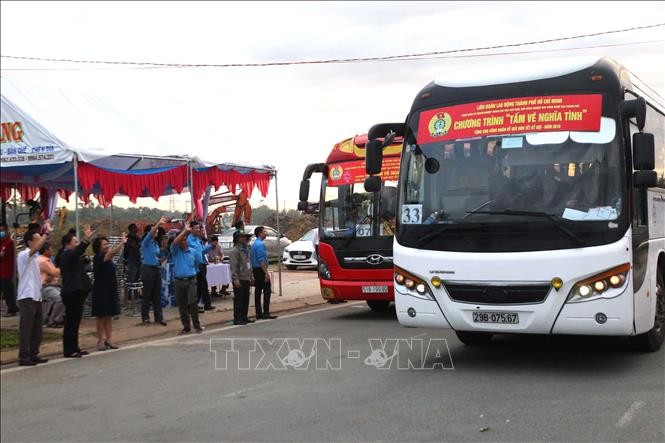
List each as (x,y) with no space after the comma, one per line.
(350,212)
(513,192)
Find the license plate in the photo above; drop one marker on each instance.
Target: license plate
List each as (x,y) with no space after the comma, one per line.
(375,289)
(299,257)
(511,318)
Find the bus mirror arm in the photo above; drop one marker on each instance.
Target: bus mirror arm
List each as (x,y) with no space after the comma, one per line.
(311,169)
(381,130)
(636,108)
(304,184)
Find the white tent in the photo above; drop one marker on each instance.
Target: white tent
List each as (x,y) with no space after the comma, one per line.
(48,133)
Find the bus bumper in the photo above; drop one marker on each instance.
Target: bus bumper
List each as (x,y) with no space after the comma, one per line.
(417,312)
(357,290)
(615,314)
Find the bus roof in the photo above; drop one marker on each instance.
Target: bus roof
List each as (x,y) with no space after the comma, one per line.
(354,149)
(514,79)
(499,74)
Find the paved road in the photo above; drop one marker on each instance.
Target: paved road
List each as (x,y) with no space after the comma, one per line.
(515,389)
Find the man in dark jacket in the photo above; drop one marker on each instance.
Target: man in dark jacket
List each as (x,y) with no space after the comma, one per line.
(132,254)
(75,288)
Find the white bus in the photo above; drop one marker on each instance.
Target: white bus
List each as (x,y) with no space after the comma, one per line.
(531,201)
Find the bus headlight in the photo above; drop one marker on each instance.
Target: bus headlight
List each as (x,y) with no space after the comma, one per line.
(324,272)
(414,286)
(601,285)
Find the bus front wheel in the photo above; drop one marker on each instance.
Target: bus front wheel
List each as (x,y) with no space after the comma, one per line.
(378,305)
(652,341)
(474,338)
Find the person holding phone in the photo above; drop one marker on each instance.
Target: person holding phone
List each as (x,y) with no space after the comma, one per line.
(105,303)
(75,288)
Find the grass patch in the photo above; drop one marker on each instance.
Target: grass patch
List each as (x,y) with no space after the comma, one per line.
(9,338)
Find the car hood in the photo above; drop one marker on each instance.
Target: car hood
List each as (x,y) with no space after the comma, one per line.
(301,246)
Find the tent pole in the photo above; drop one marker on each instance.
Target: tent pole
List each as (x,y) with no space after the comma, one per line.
(76,195)
(191,190)
(279,233)
(15,204)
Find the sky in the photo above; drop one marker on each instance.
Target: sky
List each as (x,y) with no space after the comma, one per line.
(290,116)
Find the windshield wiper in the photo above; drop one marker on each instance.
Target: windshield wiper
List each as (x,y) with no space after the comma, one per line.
(551,217)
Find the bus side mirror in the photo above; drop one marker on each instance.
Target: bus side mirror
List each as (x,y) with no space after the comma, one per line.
(308,208)
(635,108)
(373,183)
(304,190)
(645,179)
(644,156)
(373,157)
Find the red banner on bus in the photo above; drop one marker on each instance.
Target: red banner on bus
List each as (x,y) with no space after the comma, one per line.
(511,116)
(353,172)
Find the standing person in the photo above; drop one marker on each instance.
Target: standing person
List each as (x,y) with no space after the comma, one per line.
(30,300)
(56,260)
(75,288)
(105,303)
(196,243)
(261,276)
(7,268)
(50,279)
(132,254)
(215,255)
(184,260)
(241,276)
(151,274)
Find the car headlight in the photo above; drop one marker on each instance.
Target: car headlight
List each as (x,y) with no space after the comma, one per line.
(608,284)
(324,272)
(414,285)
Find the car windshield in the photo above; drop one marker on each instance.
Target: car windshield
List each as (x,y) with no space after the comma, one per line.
(349,211)
(310,235)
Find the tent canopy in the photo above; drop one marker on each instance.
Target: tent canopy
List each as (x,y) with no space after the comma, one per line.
(33,157)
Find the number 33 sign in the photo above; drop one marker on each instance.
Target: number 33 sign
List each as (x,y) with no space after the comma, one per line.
(412,214)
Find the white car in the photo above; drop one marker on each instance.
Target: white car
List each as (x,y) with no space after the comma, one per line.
(274,243)
(302,252)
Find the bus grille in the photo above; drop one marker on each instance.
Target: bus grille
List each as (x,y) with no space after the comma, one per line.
(497,295)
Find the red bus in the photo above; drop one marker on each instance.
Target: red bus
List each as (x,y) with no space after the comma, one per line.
(356,227)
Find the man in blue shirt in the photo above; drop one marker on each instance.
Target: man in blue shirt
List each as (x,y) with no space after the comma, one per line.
(259,259)
(151,274)
(196,242)
(184,270)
